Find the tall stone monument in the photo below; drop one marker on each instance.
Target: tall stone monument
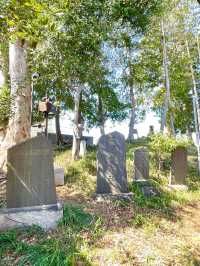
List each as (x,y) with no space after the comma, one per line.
(141,162)
(30,177)
(179,166)
(111,164)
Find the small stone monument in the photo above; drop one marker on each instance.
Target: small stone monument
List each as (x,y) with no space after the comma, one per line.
(141,162)
(59,175)
(83,148)
(31,193)
(111,164)
(141,173)
(179,166)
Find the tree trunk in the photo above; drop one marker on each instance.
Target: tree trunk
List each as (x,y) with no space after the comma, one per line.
(77,132)
(198,48)
(132,115)
(194,90)
(101,116)
(19,127)
(59,138)
(167,84)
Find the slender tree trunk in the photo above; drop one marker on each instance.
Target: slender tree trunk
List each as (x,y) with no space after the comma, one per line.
(198,48)
(132,115)
(59,138)
(19,127)
(101,116)
(194,85)
(77,134)
(167,84)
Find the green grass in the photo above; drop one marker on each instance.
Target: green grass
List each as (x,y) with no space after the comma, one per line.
(65,246)
(79,174)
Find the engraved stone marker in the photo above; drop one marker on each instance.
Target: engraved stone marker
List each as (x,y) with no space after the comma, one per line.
(141,161)
(111,164)
(179,166)
(30,177)
(83,148)
(59,174)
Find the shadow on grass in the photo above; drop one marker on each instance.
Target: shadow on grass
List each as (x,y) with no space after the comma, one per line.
(63,246)
(161,204)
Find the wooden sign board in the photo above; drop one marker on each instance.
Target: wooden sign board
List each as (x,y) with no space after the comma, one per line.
(44,107)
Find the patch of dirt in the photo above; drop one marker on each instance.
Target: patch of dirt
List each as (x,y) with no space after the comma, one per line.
(161,242)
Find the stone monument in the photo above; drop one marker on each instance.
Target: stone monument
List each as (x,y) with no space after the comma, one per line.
(179,166)
(141,162)
(83,148)
(31,193)
(111,164)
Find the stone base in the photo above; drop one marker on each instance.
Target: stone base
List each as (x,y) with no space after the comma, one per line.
(178,187)
(59,176)
(110,197)
(147,188)
(46,216)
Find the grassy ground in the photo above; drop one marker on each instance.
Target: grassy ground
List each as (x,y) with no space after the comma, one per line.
(164,230)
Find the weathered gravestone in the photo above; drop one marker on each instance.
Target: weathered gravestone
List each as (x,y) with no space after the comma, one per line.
(59,174)
(30,177)
(111,164)
(141,173)
(179,166)
(141,162)
(83,148)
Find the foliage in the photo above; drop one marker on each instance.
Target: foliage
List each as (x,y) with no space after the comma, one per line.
(5,102)
(160,143)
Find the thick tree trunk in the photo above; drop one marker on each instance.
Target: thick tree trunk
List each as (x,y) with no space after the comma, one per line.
(101,116)
(59,138)
(19,127)
(132,115)
(77,132)
(167,84)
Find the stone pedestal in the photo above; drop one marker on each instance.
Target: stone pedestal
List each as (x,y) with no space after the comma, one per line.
(46,216)
(111,164)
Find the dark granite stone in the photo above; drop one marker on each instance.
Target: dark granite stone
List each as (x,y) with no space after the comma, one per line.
(179,166)
(30,177)
(111,164)
(141,162)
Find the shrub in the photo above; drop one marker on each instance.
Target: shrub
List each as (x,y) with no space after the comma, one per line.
(162,146)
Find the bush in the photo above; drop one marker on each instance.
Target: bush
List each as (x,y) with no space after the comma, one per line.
(162,146)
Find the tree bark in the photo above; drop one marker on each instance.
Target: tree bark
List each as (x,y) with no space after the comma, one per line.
(19,127)
(132,115)
(59,138)
(194,90)
(101,116)
(198,48)
(77,132)
(167,84)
